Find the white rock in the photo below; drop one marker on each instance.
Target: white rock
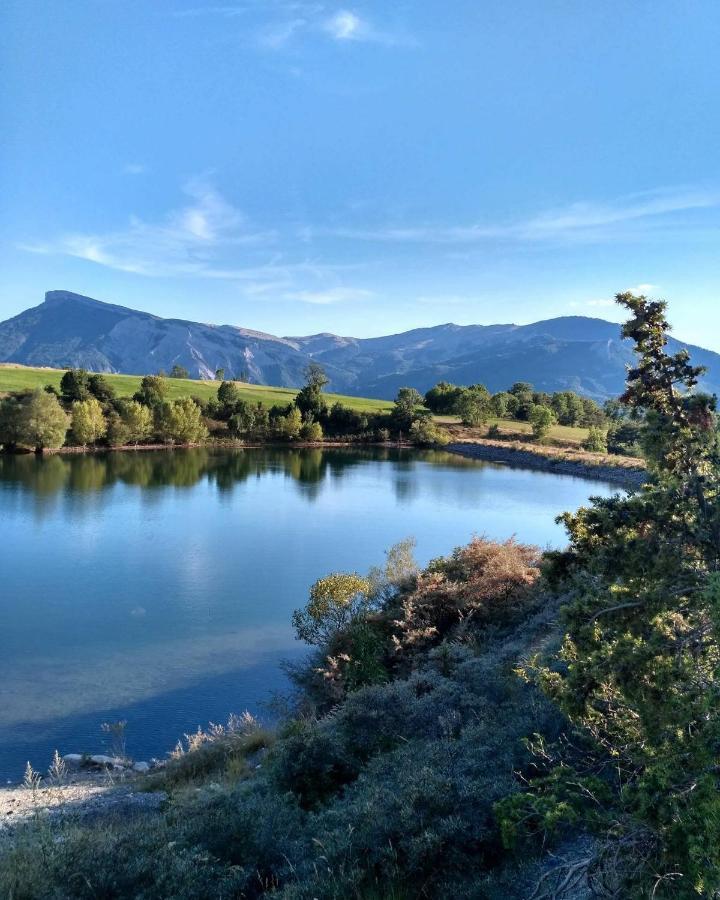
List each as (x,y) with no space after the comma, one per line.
(142,767)
(72,759)
(101,760)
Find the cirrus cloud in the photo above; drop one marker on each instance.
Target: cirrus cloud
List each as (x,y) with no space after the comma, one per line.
(330,295)
(580,221)
(185,241)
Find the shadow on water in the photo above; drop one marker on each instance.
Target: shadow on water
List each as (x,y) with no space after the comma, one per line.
(155,724)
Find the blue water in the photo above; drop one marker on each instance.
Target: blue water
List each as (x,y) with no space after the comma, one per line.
(158,587)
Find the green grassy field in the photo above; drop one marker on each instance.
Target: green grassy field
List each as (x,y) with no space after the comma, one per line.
(21,378)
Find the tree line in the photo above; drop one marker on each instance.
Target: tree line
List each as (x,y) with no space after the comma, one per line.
(612,428)
(310,418)
(86,412)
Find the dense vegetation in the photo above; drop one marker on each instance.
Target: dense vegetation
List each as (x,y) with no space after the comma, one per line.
(612,428)
(501,724)
(639,666)
(85,410)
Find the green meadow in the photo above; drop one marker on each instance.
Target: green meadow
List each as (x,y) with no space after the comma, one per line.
(21,378)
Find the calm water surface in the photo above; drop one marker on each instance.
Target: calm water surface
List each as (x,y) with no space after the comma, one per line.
(158,587)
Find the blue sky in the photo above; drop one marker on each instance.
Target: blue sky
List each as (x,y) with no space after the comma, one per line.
(362,168)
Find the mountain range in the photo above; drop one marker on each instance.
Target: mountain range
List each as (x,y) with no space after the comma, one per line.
(577,353)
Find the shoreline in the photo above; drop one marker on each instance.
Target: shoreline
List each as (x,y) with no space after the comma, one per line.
(211,445)
(594,467)
(629,473)
(77,797)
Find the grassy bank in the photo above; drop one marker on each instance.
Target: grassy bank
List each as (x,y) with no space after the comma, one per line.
(554,452)
(626,471)
(512,430)
(21,378)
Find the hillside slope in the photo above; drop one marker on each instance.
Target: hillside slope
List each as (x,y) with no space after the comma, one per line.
(576,353)
(71,330)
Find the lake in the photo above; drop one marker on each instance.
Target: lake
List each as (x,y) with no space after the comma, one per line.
(158,587)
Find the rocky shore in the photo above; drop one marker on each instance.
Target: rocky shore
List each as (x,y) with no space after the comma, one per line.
(625,473)
(82,787)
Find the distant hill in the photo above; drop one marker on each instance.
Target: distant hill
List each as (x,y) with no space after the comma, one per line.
(573,352)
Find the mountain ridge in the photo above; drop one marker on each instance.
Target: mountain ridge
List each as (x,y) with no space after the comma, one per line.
(585,354)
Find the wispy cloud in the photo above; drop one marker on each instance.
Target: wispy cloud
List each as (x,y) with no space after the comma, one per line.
(346,26)
(279,22)
(577,222)
(209,238)
(134,169)
(186,241)
(587,216)
(643,288)
(275,36)
(330,295)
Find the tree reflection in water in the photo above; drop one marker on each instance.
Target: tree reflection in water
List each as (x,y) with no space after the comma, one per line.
(90,472)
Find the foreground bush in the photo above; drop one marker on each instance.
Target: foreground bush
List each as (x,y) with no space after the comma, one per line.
(486,584)
(133,860)
(398,785)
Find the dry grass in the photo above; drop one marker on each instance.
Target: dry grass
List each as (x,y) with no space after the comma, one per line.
(220,752)
(566,452)
(559,435)
(484,583)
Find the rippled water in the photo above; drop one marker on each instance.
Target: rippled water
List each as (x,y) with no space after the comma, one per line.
(158,587)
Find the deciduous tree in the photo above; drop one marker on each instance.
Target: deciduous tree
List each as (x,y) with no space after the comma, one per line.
(310,400)
(228,396)
(100,387)
(406,406)
(74,385)
(473,406)
(542,418)
(88,421)
(334,602)
(180,422)
(10,422)
(138,419)
(43,422)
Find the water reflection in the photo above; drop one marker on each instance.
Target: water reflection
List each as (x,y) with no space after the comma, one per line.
(161,584)
(77,474)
